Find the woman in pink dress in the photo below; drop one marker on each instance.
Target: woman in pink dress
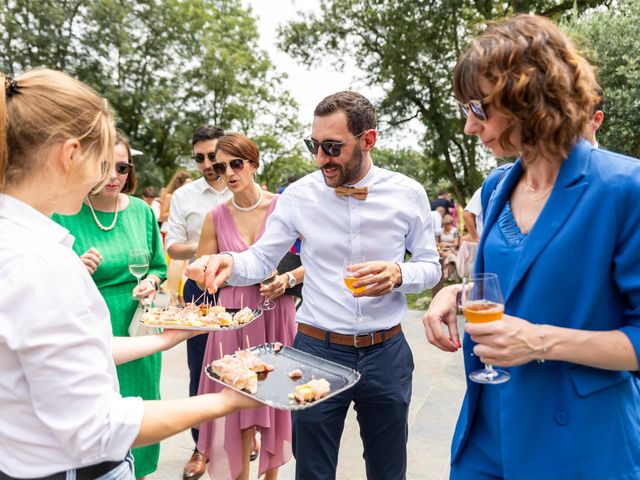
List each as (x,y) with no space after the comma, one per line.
(234,226)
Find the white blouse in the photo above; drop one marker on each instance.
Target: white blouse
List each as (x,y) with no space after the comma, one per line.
(59,402)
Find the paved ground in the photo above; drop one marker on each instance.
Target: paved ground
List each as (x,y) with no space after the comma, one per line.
(438,387)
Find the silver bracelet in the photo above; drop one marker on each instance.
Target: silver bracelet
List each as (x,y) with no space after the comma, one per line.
(544,345)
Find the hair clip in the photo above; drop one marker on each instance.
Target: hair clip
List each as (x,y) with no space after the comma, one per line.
(11,86)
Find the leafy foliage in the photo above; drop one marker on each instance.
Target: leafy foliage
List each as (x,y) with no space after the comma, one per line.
(166,66)
(611,38)
(409,48)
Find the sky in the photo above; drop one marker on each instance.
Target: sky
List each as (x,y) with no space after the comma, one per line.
(309,86)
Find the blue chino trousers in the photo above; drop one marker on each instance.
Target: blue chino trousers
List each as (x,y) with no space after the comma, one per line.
(381,400)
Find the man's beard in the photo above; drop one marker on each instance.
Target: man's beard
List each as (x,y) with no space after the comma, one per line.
(210,175)
(349,172)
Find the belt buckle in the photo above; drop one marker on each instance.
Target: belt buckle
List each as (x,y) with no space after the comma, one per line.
(355,340)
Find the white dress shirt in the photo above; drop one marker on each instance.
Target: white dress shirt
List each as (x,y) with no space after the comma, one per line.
(394,218)
(475,206)
(436,218)
(59,402)
(189,205)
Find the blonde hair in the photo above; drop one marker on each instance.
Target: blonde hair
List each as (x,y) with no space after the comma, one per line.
(538,79)
(43,107)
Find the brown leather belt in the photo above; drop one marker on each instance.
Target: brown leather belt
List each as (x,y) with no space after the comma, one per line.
(358,341)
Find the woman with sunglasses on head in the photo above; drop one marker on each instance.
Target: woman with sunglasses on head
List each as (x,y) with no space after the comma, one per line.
(234,226)
(110,223)
(570,336)
(61,412)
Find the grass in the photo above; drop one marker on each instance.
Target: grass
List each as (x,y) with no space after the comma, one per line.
(420,301)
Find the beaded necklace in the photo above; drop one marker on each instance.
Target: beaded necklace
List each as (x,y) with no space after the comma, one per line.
(115,216)
(252,207)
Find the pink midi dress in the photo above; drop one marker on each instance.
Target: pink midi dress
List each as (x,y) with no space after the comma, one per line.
(221,439)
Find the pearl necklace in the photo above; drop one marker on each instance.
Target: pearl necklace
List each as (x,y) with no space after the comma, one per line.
(252,207)
(115,216)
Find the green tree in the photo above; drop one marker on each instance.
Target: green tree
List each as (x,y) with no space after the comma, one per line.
(611,39)
(409,49)
(408,162)
(166,66)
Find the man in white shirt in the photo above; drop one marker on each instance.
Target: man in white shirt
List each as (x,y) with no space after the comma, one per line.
(473,217)
(189,205)
(597,118)
(436,218)
(348,208)
(151,198)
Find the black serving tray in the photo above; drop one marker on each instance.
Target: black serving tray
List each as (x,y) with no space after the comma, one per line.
(274,388)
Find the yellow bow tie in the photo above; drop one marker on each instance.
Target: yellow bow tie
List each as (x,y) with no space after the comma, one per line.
(359,193)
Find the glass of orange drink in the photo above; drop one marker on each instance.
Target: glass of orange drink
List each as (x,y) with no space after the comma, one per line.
(482,302)
(350,265)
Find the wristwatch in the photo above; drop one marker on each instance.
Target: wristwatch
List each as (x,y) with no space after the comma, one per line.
(292,280)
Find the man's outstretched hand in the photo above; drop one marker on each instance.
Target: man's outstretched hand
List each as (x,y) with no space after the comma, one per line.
(211,271)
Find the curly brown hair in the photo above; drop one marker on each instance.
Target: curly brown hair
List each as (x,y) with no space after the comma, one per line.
(538,78)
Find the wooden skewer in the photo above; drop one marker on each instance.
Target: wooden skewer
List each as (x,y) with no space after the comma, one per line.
(200,297)
(221,354)
(248,344)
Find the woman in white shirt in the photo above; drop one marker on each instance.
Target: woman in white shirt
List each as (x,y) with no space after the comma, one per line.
(61,415)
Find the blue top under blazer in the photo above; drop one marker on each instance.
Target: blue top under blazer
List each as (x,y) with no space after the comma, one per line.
(579,268)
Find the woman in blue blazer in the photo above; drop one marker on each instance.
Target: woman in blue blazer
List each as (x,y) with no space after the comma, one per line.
(568,260)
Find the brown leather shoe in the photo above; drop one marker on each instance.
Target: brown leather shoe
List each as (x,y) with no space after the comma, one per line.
(195,467)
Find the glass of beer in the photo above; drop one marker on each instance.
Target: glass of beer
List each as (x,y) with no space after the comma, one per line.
(349,279)
(482,302)
(266,304)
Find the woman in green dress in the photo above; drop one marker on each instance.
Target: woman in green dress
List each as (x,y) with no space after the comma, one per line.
(109,225)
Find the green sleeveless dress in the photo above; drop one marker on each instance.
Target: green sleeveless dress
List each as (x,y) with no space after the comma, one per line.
(136,227)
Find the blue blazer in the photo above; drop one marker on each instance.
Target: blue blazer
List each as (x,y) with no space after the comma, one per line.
(579,268)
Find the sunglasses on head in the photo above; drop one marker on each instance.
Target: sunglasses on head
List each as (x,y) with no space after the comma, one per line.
(331,149)
(122,168)
(199,157)
(220,168)
(475,107)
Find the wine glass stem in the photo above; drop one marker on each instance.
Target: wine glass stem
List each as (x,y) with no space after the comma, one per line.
(359,316)
(491,372)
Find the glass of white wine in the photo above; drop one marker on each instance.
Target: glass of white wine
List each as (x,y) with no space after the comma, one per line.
(349,279)
(138,262)
(266,304)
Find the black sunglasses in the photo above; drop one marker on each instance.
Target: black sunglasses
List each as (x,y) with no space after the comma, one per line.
(220,168)
(122,168)
(199,157)
(475,107)
(331,149)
